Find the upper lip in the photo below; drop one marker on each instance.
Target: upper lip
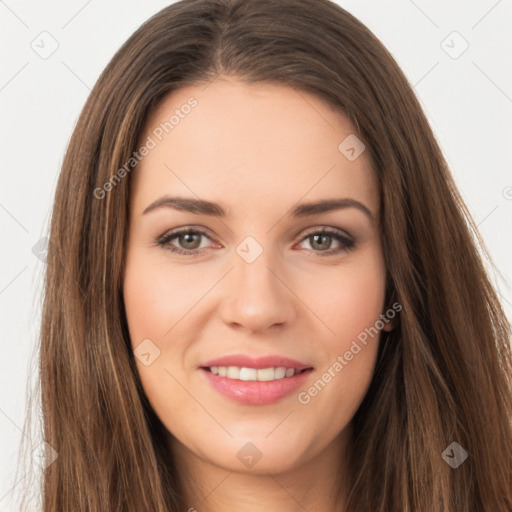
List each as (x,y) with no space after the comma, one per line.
(246,361)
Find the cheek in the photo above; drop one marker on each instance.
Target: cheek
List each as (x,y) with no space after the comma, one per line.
(351,309)
(160,303)
(157,296)
(155,299)
(351,302)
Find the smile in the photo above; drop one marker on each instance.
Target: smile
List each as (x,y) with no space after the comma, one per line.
(254,374)
(251,386)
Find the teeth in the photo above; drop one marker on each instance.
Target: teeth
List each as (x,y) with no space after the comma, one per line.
(253,374)
(233,372)
(247,373)
(266,374)
(280,372)
(290,372)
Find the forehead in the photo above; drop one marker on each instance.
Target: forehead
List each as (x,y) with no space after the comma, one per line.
(232,141)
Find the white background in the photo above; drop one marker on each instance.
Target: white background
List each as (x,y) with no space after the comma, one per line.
(468,101)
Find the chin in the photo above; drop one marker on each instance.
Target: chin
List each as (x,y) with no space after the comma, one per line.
(255,456)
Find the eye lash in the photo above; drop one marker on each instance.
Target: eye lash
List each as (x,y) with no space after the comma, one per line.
(347,242)
(164,240)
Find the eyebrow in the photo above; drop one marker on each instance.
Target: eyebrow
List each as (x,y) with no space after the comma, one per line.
(203,207)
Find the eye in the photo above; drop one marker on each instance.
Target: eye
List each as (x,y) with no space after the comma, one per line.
(321,241)
(188,241)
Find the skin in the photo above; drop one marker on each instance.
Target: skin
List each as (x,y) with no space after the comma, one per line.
(258,150)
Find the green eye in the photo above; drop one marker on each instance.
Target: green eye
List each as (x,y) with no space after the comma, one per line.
(187,241)
(321,241)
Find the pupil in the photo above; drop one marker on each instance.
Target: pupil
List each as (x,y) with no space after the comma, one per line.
(187,240)
(325,237)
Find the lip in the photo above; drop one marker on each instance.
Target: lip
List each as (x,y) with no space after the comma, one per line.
(246,361)
(255,392)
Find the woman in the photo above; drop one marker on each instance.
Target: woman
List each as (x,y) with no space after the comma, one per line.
(263,288)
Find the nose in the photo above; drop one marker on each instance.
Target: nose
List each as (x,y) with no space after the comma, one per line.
(257,297)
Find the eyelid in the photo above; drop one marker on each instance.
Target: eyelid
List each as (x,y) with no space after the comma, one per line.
(348,241)
(166,237)
(187,229)
(328,229)
(345,239)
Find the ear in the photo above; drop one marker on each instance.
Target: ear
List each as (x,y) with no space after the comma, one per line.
(391,314)
(390,324)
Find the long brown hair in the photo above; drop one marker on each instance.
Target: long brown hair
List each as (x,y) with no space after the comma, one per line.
(443,374)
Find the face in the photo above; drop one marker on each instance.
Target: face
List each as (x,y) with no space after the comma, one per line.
(253,278)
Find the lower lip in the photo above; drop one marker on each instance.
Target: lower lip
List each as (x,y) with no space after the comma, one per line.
(256,392)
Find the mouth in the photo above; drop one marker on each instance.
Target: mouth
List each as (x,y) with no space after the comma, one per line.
(248,374)
(255,386)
